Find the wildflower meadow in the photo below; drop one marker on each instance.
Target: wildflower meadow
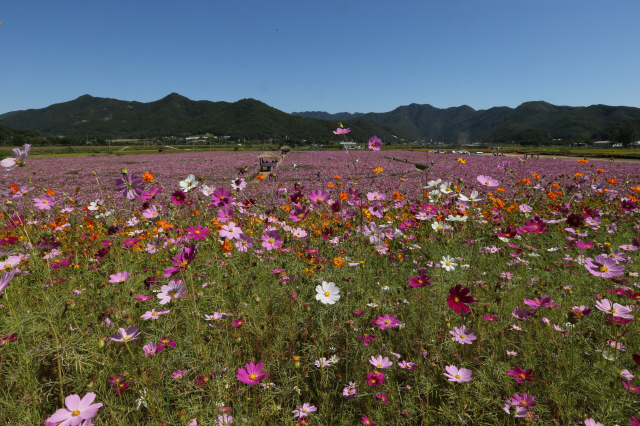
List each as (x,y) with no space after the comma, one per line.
(340,288)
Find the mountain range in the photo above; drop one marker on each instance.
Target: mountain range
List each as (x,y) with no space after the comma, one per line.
(176,115)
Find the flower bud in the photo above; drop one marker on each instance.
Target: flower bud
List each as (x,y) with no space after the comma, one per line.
(100,343)
(124,171)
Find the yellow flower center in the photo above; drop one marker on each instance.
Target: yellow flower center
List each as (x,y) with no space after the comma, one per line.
(75,413)
(521,376)
(252,377)
(154,313)
(126,339)
(462,336)
(327,294)
(457,376)
(603,269)
(456,299)
(184,264)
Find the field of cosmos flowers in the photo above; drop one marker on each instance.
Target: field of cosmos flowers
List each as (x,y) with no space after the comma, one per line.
(342,288)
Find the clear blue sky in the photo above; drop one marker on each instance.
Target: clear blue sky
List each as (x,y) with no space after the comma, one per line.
(329,55)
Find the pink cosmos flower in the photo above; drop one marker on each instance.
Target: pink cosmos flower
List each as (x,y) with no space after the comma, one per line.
(604,266)
(457,375)
(230,231)
(45,202)
(380,362)
(271,240)
(129,186)
(244,242)
(150,194)
(151,212)
(462,335)
(341,131)
(19,155)
(367,421)
(350,392)
(225,214)
(382,397)
(407,365)
(375,143)
(76,411)
(179,375)
(626,374)
(487,181)
(142,298)
(299,212)
(252,375)
(522,313)
(319,196)
(616,309)
(489,318)
(541,302)
(128,335)
(153,314)
(521,375)
(630,387)
(592,422)
(150,349)
(386,321)
(119,277)
(173,290)
(304,410)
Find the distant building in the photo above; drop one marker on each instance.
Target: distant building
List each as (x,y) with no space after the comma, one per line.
(348,145)
(602,144)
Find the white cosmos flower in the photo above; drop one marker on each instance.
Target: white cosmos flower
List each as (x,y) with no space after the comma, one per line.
(440,226)
(445,188)
(328,293)
(207,190)
(452,218)
(189,183)
(433,183)
(473,197)
(448,264)
(434,195)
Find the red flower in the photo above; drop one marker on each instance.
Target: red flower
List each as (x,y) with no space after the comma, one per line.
(420,281)
(457,298)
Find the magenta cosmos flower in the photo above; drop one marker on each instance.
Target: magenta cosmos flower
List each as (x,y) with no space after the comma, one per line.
(420,281)
(341,131)
(6,279)
(604,266)
(252,375)
(487,181)
(366,339)
(521,375)
(454,374)
(457,298)
(375,379)
(129,186)
(77,410)
(198,233)
(375,143)
(462,335)
(45,202)
(271,240)
(221,197)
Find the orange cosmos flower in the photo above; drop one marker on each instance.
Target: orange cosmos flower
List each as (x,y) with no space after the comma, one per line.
(260,176)
(147,177)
